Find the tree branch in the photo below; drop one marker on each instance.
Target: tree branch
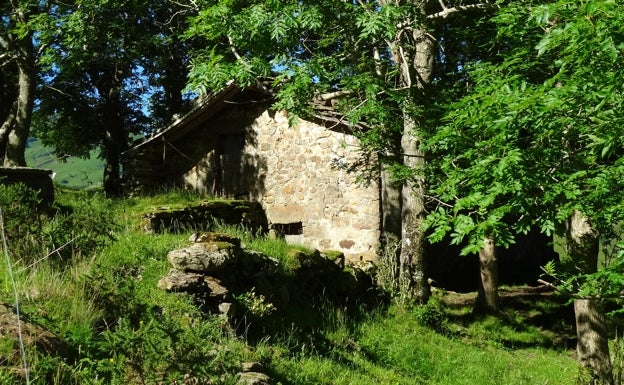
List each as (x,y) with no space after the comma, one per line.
(461,8)
(234,51)
(334,95)
(6,59)
(9,122)
(5,42)
(59,91)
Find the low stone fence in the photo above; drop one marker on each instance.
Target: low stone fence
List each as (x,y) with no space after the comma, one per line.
(200,217)
(218,271)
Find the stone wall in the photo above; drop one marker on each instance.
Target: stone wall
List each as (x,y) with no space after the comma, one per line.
(307,189)
(298,174)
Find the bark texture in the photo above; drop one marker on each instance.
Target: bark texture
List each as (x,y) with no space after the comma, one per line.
(592,346)
(18,136)
(416,73)
(487,298)
(390,201)
(15,128)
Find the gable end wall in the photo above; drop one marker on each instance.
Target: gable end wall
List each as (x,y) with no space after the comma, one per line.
(293,173)
(305,183)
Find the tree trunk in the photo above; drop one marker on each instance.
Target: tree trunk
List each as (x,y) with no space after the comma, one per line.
(390,207)
(114,136)
(416,75)
(592,347)
(487,297)
(390,204)
(8,103)
(19,128)
(412,255)
(114,140)
(5,130)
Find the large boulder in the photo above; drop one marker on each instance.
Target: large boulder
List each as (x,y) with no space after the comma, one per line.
(204,257)
(178,281)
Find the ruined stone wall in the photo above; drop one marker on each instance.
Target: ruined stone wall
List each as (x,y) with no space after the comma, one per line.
(298,174)
(304,185)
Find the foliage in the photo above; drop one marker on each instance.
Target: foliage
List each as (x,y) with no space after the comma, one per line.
(75,231)
(81,225)
(18,72)
(256,304)
(22,218)
(100,66)
(537,136)
(432,315)
(536,143)
(346,52)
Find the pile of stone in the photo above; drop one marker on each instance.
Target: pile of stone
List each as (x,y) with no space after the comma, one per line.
(215,268)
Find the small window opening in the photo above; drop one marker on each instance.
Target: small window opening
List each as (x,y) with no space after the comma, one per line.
(284,229)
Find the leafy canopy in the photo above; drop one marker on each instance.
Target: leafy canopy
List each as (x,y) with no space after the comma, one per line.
(540,133)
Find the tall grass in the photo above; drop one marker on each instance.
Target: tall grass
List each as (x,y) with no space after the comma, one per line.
(99,295)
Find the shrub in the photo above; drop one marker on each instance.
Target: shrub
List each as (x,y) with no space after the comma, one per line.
(22,219)
(78,225)
(432,315)
(83,223)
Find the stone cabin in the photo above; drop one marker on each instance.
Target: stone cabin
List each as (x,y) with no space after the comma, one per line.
(233,145)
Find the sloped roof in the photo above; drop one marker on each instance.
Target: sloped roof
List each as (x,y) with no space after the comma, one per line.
(203,109)
(210,105)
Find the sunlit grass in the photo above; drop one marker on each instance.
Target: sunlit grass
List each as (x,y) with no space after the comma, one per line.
(122,329)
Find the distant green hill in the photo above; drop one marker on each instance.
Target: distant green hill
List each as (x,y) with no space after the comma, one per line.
(72,173)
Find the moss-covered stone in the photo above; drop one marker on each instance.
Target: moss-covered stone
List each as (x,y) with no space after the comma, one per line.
(203,216)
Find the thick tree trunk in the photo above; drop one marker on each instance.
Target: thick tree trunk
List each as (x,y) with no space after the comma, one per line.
(114,137)
(390,202)
(415,75)
(592,346)
(390,207)
(114,140)
(17,127)
(18,136)
(487,297)
(5,130)
(8,104)
(412,255)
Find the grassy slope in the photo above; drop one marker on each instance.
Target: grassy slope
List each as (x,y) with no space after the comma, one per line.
(122,329)
(73,173)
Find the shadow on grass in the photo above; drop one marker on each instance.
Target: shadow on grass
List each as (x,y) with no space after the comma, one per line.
(528,317)
(318,327)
